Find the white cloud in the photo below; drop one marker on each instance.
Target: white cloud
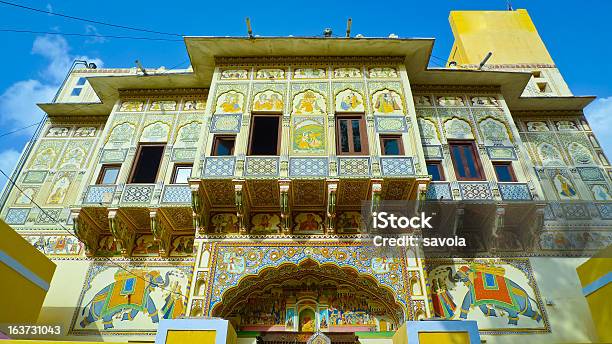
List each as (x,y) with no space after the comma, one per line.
(18,102)
(8,160)
(599,115)
(92,30)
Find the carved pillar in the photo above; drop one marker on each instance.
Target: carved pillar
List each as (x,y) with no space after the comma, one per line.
(285,207)
(199,210)
(330,214)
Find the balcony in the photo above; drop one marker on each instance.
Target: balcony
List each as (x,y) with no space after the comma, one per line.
(124,213)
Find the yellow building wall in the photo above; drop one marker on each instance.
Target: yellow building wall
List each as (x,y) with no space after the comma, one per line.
(599,300)
(510,35)
(444,337)
(21,298)
(183,336)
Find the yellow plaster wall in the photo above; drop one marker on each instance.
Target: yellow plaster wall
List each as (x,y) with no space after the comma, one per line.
(444,337)
(21,299)
(599,300)
(184,336)
(510,35)
(570,318)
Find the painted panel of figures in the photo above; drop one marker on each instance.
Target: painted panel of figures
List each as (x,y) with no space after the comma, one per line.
(308,223)
(386,102)
(230,102)
(309,102)
(268,101)
(132,299)
(308,135)
(500,295)
(349,101)
(265,224)
(224,223)
(62,245)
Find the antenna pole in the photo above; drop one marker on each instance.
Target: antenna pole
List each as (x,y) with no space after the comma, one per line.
(249,29)
(349,22)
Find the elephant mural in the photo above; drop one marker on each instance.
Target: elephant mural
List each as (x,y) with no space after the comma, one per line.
(489,290)
(130,294)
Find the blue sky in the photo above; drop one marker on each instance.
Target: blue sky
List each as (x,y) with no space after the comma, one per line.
(575,32)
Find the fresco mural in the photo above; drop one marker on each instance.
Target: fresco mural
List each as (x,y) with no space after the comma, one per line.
(309,103)
(382,72)
(268,101)
(182,245)
(387,102)
(350,222)
(270,73)
(145,245)
(308,135)
(60,245)
(349,101)
(500,294)
(224,223)
(131,299)
(265,224)
(308,223)
(309,73)
(230,102)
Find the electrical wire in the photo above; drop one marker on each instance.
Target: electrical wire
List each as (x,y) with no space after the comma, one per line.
(52,218)
(22,128)
(87,20)
(91,35)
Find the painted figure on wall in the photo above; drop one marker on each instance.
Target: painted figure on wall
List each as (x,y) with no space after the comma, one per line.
(537,126)
(268,101)
(566,125)
(347,73)
(349,101)
(564,187)
(193,105)
(182,246)
(489,289)
(309,103)
(265,224)
(457,128)
(494,132)
(308,135)
(550,155)
(145,245)
(85,132)
(422,101)
(309,73)
(580,154)
(58,192)
(234,74)
(163,105)
(132,294)
(450,101)
(230,102)
(383,72)
(270,73)
(58,131)
(56,245)
(308,223)
(107,246)
(225,223)
(131,106)
(350,222)
(601,193)
(386,102)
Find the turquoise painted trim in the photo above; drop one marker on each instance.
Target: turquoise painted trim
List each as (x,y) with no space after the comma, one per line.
(219,325)
(597,284)
(415,327)
(23,271)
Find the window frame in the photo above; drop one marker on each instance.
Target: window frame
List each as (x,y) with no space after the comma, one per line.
(76,90)
(279,130)
(440,167)
(363,133)
(477,162)
(103,169)
(175,170)
(508,164)
(137,157)
(397,137)
(215,146)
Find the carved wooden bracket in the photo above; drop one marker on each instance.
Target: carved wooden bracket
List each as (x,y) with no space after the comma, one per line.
(87,232)
(162,231)
(122,230)
(242,208)
(285,206)
(330,214)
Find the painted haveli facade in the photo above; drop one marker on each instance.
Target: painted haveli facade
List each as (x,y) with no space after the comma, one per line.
(233,188)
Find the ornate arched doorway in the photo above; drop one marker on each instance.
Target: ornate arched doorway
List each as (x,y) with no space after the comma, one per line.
(308,297)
